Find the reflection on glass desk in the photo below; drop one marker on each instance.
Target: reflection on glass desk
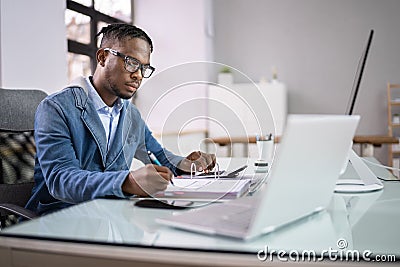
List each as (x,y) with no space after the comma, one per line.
(366,221)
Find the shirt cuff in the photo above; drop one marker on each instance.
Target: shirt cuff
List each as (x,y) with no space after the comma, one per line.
(117,186)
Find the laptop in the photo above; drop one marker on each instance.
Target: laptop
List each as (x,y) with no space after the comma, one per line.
(301,182)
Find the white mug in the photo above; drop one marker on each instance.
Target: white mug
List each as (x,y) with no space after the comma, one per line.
(265,150)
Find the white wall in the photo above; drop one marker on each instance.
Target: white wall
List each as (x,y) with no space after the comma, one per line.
(315,46)
(178,29)
(33,48)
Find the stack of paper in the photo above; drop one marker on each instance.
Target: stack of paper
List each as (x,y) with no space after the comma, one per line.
(206,189)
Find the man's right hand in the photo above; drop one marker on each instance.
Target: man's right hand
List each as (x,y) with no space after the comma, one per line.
(147,180)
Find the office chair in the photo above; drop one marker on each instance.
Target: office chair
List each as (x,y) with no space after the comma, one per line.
(17,152)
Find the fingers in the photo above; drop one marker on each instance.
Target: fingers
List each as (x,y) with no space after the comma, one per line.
(147,180)
(204,161)
(195,155)
(211,161)
(201,163)
(163,171)
(207,161)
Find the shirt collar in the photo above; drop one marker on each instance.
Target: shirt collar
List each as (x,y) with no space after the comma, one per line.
(98,102)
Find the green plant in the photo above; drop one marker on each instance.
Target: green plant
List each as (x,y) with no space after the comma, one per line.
(225,70)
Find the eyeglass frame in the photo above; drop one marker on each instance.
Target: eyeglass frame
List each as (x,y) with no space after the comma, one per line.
(126,58)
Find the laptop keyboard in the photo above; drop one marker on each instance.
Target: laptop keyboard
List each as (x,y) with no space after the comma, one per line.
(239,220)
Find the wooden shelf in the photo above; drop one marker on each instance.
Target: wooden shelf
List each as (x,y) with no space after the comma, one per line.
(376,140)
(393,92)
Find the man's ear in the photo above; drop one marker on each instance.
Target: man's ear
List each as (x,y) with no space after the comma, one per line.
(101,57)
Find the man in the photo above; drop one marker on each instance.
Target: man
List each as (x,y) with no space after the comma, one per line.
(87,134)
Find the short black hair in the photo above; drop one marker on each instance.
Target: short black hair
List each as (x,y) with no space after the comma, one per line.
(121,31)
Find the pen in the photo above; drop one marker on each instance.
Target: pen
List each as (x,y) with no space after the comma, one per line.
(156,161)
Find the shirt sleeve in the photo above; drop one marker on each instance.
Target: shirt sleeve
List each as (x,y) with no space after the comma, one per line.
(165,157)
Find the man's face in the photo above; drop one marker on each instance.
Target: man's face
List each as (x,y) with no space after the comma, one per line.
(118,82)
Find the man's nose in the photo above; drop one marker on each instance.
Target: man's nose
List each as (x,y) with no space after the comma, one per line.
(137,74)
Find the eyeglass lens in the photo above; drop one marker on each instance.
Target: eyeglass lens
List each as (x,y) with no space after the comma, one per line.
(133,65)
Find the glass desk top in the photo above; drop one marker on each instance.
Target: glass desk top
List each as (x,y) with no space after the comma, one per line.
(362,222)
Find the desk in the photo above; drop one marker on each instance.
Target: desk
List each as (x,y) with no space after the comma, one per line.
(104,232)
(367,143)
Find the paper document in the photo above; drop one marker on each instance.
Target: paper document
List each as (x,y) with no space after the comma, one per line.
(216,175)
(206,189)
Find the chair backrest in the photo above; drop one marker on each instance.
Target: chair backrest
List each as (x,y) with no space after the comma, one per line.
(19,107)
(17,146)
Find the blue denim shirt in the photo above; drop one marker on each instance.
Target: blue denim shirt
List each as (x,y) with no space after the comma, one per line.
(72,164)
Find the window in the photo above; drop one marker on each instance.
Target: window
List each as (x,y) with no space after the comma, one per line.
(84,19)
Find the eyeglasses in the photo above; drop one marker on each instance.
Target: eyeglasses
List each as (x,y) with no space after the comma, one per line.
(132,64)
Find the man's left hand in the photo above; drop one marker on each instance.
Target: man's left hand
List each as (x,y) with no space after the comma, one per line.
(203,161)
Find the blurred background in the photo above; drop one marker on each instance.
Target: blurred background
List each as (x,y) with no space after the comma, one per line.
(311,48)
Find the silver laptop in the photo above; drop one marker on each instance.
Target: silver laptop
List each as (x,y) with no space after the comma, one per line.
(313,150)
